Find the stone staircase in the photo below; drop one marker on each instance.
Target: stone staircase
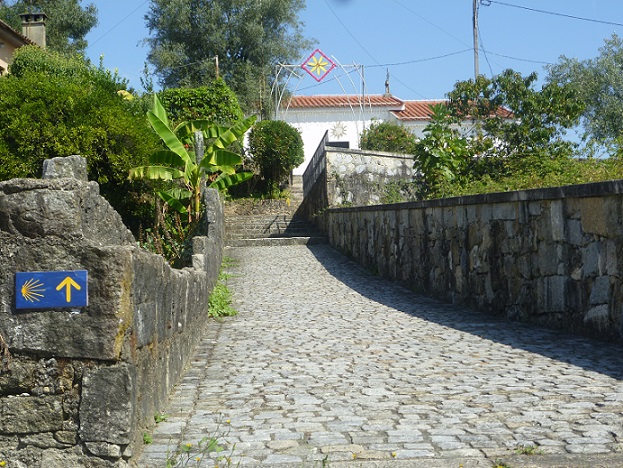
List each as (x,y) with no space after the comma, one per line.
(268,223)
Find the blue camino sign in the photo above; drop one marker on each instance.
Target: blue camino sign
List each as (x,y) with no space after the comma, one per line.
(51,289)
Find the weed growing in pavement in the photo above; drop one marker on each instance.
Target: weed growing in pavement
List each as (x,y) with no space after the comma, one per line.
(147,439)
(208,450)
(160,417)
(220,299)
(527,450)
(500,464)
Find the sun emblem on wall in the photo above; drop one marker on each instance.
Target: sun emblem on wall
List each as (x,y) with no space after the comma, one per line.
(338,130)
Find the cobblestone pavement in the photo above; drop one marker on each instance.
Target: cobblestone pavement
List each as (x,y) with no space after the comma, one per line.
(328,365)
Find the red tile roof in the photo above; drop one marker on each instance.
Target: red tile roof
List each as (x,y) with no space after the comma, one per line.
(402,110)
(299,102)
(416,110)
(13,32)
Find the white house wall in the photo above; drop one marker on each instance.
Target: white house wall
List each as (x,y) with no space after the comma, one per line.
(342,125)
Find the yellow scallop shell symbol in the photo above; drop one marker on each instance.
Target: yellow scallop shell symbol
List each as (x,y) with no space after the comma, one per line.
(32,289)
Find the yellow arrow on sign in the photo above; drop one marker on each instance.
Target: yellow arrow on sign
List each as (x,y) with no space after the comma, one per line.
(68,283)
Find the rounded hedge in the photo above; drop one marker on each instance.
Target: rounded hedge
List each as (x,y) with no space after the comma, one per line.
(276,148)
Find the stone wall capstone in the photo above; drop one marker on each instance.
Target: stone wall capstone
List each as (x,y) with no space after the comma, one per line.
(79,386)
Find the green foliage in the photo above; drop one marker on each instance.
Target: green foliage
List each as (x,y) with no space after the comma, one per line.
(276,148)
(510,136)
(387,136)
(247,36)
(169,237)
(599,84)
(514,119)
(54,106)
(220,299)
(442,153)
(147,438)
(209,450)
(178,162)
(160,417)
(215,102)
(220,302)
(67,25)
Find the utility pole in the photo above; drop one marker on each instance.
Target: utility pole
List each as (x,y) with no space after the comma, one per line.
(475,18)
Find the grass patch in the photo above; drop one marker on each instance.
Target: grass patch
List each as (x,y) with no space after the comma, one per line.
(219,303)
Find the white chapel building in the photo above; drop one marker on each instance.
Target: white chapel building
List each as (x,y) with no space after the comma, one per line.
(344,117)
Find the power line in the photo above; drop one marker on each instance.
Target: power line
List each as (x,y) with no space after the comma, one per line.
(111,29)
(428,59)
(366,50)
(350,33)
(580,18)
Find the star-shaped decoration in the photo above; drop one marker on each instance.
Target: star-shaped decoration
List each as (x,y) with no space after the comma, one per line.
(318,65)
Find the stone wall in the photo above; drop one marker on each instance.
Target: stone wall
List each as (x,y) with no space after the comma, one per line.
(79,386)
(345,177)
(552,257)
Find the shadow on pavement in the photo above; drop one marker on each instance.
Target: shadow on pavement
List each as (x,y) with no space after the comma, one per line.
(601,357)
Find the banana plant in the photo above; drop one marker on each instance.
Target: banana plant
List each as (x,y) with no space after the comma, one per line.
(178,161)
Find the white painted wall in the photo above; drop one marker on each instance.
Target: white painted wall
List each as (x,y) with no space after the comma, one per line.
(313,123)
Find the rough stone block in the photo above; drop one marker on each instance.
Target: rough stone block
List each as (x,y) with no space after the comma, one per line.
(600,291)
(594,220)
(74,167)
(29,415)
(107,407)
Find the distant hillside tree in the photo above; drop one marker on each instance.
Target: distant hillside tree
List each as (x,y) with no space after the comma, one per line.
(599,84)
(248,36)
(67,25)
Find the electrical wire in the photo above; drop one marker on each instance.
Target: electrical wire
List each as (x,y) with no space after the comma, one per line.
(484,52)
(580,18)
(366,50)
(350,33)
(428,59)
(111,29)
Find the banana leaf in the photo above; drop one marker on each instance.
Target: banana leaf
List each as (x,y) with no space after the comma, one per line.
(224,181)
(155,173)
(172,201)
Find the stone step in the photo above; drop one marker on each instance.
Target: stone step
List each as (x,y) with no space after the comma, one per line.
(271,229)
(274,241)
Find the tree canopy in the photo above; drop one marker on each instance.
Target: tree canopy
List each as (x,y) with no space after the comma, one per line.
(247,36)
(516,118)
(55,106)
(67,25)
(599,84)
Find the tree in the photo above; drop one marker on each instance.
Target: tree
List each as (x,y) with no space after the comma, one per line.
(215,102)
(67,25)
(247,36)
(276,148)
(55,106)
(519,127)
(387,136)
(442,153)
(599,84)
(178,162)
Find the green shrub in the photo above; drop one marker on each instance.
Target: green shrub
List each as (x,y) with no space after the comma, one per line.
(54,106)
(387,136)
(215,102)
(276,148)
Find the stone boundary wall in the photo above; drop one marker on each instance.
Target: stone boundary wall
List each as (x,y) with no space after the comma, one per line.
(339,176)
(552,257)
(360,177)
(79,386)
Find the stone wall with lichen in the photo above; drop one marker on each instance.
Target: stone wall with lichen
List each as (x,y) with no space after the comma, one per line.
(79,386)
(552,257)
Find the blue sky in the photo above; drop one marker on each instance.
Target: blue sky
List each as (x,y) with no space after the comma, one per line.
(425,44)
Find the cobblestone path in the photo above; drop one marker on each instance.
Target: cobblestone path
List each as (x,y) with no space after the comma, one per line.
(328,365)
